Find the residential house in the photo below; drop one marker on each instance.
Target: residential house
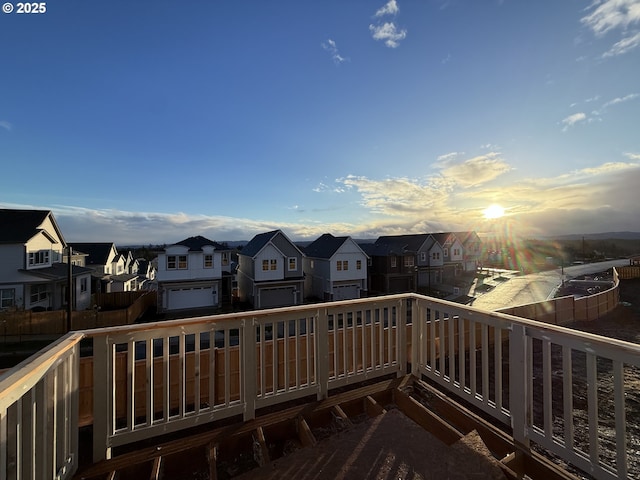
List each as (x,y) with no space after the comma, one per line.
(270,271)
(190,274)
(335,268)
(404,263)
(32,273)
(453,256)
(103,259)
(146,275)
(471,250)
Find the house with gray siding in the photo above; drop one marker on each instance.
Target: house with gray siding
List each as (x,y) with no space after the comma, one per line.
(270,271)
(335,268)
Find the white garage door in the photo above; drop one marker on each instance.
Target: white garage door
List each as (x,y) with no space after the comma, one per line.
(276,297)
(345,292)
(195,297)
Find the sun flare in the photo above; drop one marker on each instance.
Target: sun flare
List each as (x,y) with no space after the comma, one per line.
(493,211)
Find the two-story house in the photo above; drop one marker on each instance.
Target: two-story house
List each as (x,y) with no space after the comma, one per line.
(32,272)
(270,271)
(471,250)
(335,268)
(101,258)
(190,274)
(453,256)
(403,263)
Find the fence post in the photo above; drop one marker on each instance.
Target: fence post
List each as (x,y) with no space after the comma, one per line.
(322,349)
(249,367)
(103,393)
(417,313)
(519,400)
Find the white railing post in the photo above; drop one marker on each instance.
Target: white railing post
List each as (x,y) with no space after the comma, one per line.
(322,352)
(417,313)
(518,386)
(103,391)
(401,336)
(249,367)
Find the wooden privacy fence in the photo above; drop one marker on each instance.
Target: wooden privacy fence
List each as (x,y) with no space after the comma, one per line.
(628,273)
(564,310)
(25,322)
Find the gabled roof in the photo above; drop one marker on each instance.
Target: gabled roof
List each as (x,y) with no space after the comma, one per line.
(398,244)
(324,246)
(57,271)
(442,237)
(19,226)
(195,244)
(257,243)
(97,253)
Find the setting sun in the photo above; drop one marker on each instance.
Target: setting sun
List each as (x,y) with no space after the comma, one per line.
(493,211)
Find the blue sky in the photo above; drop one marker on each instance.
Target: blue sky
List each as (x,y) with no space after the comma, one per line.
(151,121)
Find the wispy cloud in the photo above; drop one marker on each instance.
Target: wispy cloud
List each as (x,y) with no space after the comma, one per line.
(571,120)
(623,46)
(611,15)
(388,32)
(331,47)
(615,101)
(478,170)
(6,125)
(391,8)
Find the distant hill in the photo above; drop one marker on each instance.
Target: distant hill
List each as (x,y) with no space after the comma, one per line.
(600,236)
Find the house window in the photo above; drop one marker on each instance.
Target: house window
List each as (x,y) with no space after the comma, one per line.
(225,258)
(339,265)
(312,264)
(423,256)
(7,297)
(456,251)
(39,258)
(273,264)
(408,261)
(208,261)
(176,262)
(345,264)
(293,264)
(83,285)
(38,293)
(446,252)
(265,265)
(394,261)
(436,255)
(358,264)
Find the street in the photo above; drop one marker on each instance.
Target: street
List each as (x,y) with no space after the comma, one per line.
(535,287)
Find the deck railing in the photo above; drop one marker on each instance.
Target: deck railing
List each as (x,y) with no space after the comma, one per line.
(157,378)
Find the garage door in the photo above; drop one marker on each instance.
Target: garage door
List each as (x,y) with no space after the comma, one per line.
(276,297)
(345,292)
(195,297)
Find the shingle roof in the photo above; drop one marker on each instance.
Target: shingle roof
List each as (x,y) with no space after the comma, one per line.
(398,244)
(324,246)
(196,243)
(57,271)
(258,242)
(18,226)
(98,253)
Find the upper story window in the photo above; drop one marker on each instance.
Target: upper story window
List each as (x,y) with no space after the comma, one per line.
(436,255)
(208,261)
(39,258)
(176,262)
(273,264)
(394,262)
(265,265)
(293,263)
(225,258)
(342,265)
(446,252)
(423,256)
(358,264)
(83,285)
(408,261)
(456,251)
